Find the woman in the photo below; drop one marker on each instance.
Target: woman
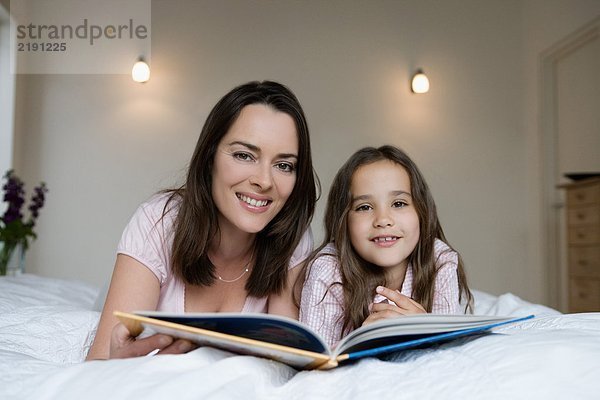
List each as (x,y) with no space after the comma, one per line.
(226,239)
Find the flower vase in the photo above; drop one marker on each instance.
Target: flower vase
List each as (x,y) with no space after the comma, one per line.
(12,258)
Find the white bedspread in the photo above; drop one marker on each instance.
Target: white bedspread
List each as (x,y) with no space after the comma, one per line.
(46,327)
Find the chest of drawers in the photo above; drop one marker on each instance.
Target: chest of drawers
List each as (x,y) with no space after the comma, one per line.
(583,244)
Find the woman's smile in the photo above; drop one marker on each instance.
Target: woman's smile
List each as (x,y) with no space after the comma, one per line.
(254,203)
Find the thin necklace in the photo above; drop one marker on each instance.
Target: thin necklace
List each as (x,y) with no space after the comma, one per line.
(236,279)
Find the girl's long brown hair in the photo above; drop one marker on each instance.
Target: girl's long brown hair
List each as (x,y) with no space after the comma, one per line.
(196,223)
(359,277)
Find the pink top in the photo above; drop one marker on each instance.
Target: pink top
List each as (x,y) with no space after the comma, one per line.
(322,301)
(148,240)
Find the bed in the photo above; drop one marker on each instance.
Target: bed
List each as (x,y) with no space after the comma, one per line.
(47,326)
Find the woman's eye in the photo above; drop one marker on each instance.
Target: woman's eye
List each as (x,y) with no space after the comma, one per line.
(243,156)
(286,167)
(363,207)
(400,204)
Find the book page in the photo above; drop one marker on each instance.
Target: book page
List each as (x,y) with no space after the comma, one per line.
(412,327)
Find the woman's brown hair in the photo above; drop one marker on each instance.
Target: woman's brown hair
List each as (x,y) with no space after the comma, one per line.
(359,277)
(196,223)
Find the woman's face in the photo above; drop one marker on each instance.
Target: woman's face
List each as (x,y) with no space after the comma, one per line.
(254,170)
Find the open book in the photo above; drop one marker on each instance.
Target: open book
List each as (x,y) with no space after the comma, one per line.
(289,341)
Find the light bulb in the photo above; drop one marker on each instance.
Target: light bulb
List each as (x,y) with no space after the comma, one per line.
(140,71)
(420,82)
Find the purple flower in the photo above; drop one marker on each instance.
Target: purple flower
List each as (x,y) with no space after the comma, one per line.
(14,195)
(37,201)
(13,228)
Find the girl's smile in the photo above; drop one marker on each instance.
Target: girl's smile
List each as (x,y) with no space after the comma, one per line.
(385,241)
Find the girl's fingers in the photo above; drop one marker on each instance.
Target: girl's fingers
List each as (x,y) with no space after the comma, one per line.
(378,307)
(381,315)
(404,302)
(372,318)
(403,305)
(417,305)
(391,310)
(395,296)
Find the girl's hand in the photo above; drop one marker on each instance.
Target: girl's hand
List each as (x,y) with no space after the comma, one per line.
(404,305)
(123,345)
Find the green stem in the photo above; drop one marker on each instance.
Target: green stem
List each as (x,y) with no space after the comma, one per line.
(5,253)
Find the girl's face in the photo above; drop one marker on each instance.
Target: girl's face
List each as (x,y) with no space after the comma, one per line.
(254,170)
(383,223)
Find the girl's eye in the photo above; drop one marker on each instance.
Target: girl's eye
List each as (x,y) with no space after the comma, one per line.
(285,167)
(399,204)
(363,207)
(243,156)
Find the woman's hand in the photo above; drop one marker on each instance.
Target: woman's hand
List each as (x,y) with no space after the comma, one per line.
(123,345)
(404,305)
(133,287)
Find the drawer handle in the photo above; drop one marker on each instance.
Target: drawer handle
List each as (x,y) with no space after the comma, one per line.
(581,235)
(583,263)
(580,196)
(580,216)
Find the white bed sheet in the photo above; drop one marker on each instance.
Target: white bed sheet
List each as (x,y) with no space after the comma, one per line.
(46,327)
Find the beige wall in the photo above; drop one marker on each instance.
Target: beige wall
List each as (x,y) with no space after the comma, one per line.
(104,143)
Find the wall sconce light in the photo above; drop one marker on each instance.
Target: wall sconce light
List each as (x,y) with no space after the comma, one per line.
(140,71)
(420,82)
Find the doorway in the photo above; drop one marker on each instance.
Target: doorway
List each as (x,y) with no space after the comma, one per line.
(570,137)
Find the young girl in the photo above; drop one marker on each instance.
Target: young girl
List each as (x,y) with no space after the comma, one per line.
(384,253)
